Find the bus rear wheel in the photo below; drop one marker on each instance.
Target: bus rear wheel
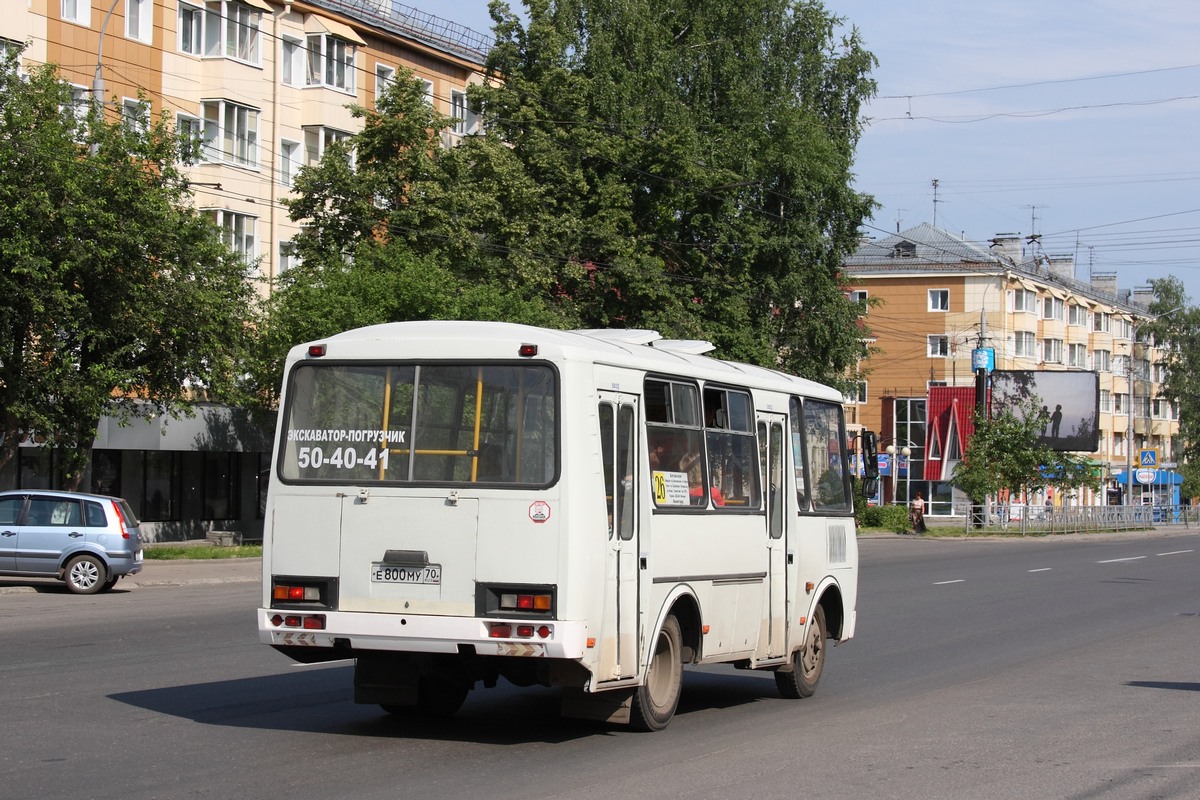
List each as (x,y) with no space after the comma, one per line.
(807,663)
(655,700)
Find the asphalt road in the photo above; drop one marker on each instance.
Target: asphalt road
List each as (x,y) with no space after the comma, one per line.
(1041,668)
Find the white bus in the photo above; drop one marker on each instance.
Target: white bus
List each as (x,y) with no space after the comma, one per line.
(455,502)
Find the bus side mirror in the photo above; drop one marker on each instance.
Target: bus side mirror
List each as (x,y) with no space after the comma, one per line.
(870,487)
(870,456)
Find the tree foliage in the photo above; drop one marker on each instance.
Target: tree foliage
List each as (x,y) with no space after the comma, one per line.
(115,297)
(1177,332)
(682,166)
(1004,453)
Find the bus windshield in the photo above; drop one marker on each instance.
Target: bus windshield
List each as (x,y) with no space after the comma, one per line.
(404,423)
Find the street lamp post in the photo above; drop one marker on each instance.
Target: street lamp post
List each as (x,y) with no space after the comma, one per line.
(892,452)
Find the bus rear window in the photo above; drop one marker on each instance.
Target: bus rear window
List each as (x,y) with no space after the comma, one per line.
(356,423)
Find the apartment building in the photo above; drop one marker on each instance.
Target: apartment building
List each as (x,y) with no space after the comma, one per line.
(266,84)
(933,300)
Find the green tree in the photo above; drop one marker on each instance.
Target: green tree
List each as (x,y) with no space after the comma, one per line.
(1004,453)
(1177,332)
(115,297)
(694,161)
(677,166)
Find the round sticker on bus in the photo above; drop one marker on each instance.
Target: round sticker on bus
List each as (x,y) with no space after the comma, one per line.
(539,511)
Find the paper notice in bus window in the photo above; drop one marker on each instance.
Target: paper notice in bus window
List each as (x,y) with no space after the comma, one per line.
(670,488)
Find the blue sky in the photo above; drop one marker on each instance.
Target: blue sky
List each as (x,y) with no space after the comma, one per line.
(1076,121)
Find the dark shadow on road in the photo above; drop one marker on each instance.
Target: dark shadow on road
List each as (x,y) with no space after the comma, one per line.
(320,700)
(1181,686)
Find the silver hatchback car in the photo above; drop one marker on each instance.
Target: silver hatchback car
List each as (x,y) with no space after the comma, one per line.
(87,540)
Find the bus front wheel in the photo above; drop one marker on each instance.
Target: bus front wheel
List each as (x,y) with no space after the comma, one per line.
(807,663)
(655,700)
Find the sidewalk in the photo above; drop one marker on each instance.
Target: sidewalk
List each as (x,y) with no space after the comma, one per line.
(170,572)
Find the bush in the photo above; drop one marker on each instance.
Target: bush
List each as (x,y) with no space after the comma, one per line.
(893,518)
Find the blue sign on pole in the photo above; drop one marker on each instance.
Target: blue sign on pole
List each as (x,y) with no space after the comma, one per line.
(983,358)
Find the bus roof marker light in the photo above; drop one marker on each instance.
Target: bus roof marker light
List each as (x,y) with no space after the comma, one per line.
(317,350)
(527,350)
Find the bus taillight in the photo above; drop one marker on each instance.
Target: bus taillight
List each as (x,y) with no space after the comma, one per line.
(525,602)
(310,622)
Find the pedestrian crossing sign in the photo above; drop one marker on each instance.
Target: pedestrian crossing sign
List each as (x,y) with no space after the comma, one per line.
(1147,458)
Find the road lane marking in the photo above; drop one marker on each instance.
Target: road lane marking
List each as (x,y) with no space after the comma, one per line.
(1042,569)
(943,583)
(1118,560)
(1177,552)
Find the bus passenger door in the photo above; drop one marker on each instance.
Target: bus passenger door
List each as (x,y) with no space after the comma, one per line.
(770,451)
(618,415)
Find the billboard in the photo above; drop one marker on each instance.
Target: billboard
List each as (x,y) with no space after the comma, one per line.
(1071,401)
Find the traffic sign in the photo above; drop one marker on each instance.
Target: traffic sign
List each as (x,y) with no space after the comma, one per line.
(1148,458)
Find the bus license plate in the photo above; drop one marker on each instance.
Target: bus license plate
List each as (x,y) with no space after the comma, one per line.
(391,573)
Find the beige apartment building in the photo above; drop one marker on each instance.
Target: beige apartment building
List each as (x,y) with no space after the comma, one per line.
(266,84)
(936,300)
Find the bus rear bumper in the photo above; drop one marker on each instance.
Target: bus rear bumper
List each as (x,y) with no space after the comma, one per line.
(415,633)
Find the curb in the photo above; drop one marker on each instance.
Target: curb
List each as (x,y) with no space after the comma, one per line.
(170,572)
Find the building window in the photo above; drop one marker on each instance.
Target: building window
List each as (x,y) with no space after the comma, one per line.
(1120,403)
(161,484)
(241,31)
(238,230)
(1077,355)
(77,11)
(1118,444)
(139,20)
(289,161)
(428,91)
(220,486)
(1077,315)
(331,62)
(218,28)
(316,140)
(81,102)
(938,346)
(1052,351)
(1025,344)
(230,133)
(134,115)
(1052,308)
(465,121)
(1024,300)
(1124,329)
(1101,322)
(857,395)
(189,126)
(939,299)
(288,259)
(191,29)
(1102,360)
(384,77)
(1105,401)
(294,53)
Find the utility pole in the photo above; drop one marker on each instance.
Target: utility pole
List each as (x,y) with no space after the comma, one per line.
(935,201)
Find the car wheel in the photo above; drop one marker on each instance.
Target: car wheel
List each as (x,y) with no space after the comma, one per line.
(85,574)
(108,584)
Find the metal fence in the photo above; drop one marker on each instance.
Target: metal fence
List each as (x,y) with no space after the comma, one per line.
(1034,519)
